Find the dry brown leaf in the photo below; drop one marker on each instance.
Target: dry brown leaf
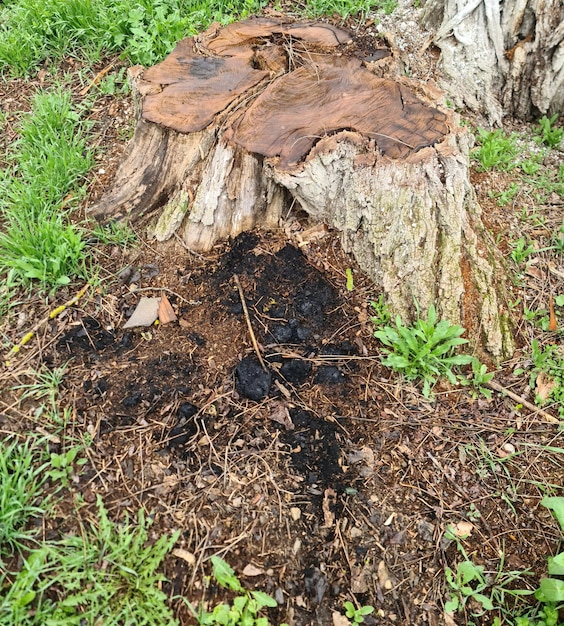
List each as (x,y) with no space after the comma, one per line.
(252,570)
(279,413)
(339,620)
(463,529)
(384,576)
(358,580)
(449,620)
(145,314)
(184,555)
(544,386)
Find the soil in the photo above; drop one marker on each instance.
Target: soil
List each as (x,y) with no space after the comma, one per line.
(302,457)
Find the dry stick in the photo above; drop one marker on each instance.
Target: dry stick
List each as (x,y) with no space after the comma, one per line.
(535,409)
(248,319)
(96,79)
(52,315)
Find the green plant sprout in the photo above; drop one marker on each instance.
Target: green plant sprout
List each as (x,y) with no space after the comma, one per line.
(550,361)
(62,465)
(471,583)
(496,150)
(424,351)
(547,133)
(551,589)
(521,250)
(380,312)
(245,608)
(357,615)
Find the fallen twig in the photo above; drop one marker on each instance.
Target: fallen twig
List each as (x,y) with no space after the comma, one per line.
(529,405)
(248,319)
(52,315)
(96,79)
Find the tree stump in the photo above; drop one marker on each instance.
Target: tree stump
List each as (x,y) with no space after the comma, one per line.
(240,122)
(500,57)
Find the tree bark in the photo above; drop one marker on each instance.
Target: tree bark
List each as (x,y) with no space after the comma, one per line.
(501,57)
(381,160)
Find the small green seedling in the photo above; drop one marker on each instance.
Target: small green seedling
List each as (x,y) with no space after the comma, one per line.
(521,250)
(357,615)
(245,608)
(350,280)
(62,465)
(467,582)
(547,133)
(380,314)
(551,589)
(497,150)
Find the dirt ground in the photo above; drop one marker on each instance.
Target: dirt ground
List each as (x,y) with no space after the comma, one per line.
(320,476)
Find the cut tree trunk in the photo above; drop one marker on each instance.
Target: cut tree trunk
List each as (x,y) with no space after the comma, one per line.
(239,124)
(501,58)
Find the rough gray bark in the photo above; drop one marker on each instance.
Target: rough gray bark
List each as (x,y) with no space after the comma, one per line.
(501,57)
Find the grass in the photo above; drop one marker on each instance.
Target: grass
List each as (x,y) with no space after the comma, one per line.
(142,31)
(108,574)
(21,493)
(47,162)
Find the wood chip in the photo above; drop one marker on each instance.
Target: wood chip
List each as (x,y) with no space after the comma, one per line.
(295,513)
(328,506)
(166,312)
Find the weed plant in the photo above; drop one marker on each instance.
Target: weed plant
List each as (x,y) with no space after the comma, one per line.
(547,133)
(424,351)
(550,361)
(245,608)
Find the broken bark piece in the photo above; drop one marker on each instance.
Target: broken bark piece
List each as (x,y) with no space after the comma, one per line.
(145,314)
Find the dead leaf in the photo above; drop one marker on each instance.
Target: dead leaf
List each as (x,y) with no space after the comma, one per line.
(279,413)
(328,506)
(534,272)
(545,385)
(145,314)
(463,529)
(185,555)
(384,576)
(339,620)
(449,620)
(358,580)
(252,570)
(166,312)
(552,324)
